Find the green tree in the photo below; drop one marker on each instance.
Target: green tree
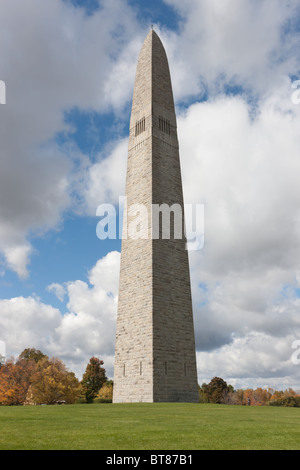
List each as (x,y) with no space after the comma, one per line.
(32,354)
(93,379)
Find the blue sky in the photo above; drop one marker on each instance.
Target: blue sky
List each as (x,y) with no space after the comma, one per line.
(69,71)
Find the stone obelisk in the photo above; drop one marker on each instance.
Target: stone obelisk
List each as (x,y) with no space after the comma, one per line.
(155,358)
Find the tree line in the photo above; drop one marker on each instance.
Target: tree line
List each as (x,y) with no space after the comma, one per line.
(34,379)
(217,391)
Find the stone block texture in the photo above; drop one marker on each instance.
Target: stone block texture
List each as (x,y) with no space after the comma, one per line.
(155,358)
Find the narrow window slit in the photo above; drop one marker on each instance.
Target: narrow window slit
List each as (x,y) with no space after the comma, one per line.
(164,125)
(140,126)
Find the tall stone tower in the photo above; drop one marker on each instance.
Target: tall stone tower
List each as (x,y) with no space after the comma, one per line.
(155,346)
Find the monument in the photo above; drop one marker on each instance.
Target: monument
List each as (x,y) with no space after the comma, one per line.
(155,358)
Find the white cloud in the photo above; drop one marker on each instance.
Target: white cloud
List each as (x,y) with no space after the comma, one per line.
(2,349)
(26,322)
(104,181)
(17,258)
(245,43)
(245,172)
(245,169)
(58,290)
(56,58)
(255,360)
(87,329)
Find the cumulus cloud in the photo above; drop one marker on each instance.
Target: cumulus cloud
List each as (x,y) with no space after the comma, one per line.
(249,44)
(245,172)
(56,58)
(17,258)
(254,360)
(87,328)
(26,322)
(58,289)
(2,348)
(104,181)
(244,168)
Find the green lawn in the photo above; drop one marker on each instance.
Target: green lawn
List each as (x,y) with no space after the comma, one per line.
(157,426)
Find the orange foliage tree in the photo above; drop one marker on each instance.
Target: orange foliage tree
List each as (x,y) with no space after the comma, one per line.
(36,379)
(15,381)
(52,383)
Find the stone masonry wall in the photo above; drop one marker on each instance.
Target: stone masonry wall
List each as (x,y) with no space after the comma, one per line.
(155,346)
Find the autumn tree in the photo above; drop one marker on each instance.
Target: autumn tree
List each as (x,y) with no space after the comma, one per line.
(93,379)
(261,396)
(216,391)
(32,354)
(15,377)
(51,383)
(106,391)
(15,381)
(201,391)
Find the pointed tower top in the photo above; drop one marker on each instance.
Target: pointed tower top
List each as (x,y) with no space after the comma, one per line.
(153,88)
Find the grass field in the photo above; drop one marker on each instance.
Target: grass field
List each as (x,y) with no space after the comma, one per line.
(141,426)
